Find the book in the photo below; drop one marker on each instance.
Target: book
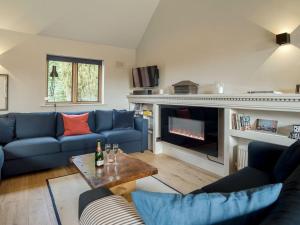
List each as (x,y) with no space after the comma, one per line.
(240,121)
(233,121)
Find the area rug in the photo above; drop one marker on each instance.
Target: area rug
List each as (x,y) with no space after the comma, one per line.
(65,191)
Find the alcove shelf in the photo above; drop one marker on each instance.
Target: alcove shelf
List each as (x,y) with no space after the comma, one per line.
(262,136)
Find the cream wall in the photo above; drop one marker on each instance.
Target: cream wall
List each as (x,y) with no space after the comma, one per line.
(26,65)
(228,41)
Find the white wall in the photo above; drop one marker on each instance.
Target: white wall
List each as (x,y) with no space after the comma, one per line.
(26,65)
(228,41)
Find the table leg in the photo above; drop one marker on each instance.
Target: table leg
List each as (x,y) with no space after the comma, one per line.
(124,190)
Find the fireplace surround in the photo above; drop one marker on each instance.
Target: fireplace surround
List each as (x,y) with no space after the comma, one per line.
(195,128)
(282,107)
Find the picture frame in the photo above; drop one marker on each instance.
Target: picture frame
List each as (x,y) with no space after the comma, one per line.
(266,125)
(298,89)
(3,92)
(296,128)
(295,134)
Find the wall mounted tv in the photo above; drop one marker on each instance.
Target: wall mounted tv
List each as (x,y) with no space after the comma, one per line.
(145,77)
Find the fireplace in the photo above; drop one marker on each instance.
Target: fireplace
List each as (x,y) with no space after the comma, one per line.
(195,128)
(187,127)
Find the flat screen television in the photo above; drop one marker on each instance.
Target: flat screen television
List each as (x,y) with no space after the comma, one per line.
(145,77)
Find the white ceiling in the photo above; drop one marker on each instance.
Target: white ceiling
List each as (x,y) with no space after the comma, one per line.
(119,23)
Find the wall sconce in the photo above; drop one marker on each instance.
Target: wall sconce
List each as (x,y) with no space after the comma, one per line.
(284,38)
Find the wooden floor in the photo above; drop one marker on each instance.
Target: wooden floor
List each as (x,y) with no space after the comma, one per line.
(25,200)
(182,176)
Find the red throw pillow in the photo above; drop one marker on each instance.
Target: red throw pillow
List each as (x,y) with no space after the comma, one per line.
(76,124)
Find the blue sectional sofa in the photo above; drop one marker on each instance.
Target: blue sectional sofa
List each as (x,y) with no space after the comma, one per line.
(39,143)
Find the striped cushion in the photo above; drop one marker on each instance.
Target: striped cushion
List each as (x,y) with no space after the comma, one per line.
(110,210)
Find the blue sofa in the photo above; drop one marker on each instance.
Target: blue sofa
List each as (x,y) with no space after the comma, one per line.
(39,142)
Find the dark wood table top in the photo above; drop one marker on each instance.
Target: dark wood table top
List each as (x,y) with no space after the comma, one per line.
(128,169)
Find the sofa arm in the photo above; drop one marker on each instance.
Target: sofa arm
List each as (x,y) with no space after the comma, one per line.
(263,156)
(1,159)
(141,124)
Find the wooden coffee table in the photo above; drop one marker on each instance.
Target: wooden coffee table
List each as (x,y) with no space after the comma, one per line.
(120,178)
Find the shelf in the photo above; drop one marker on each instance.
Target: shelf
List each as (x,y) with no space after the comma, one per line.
(148,117)
(262,136)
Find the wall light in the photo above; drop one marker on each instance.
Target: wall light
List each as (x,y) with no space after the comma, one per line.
(284,38)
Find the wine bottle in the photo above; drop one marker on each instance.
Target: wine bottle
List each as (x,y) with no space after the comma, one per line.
(99,158)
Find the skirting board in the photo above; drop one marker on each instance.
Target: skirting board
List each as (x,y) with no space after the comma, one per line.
(194,158)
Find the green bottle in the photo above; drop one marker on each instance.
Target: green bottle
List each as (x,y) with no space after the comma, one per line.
(99,158)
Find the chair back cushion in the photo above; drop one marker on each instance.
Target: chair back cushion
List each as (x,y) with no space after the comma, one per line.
(287,163)
(76,124)
(31,125)
(104,120)
(60,122)
(7,129)
(286,209)
(236,208)
(123,119)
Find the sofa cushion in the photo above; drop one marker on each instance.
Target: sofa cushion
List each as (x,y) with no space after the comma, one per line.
(237,208)
(76,124)
(85,142)
(31,147)
(91,195)
(31,125)
(104,120)
(1,159)
(117,136)
(7,129)
(244,179)
(60,122)
(286,209)
(287,163)
(123,119)
(114,210)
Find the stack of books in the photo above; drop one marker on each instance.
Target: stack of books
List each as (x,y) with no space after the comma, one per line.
(147,113)
(240,122)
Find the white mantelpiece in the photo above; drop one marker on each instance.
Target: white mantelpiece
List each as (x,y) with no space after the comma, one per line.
(277,102)
(283,107)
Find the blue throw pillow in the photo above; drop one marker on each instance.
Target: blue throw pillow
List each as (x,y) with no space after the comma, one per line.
(7,129)
(204,209)
(287,163)
(123,119)
(104,120)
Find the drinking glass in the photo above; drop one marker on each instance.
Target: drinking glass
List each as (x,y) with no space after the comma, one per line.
(117,172)
(107,151)
(115,151)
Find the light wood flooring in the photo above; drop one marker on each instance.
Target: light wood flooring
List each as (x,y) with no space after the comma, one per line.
(180,175)
(25,200)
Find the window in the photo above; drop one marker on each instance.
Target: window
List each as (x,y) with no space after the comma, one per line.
(75,81)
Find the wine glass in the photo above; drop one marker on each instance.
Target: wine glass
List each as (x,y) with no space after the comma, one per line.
(116,168)
(108,150)
(115,151)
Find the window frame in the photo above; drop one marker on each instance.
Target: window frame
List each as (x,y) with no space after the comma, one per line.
(74,89)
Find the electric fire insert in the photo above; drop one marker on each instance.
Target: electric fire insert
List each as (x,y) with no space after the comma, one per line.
(195,128)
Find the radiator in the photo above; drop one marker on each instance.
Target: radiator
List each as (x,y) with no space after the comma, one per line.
(242,156)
